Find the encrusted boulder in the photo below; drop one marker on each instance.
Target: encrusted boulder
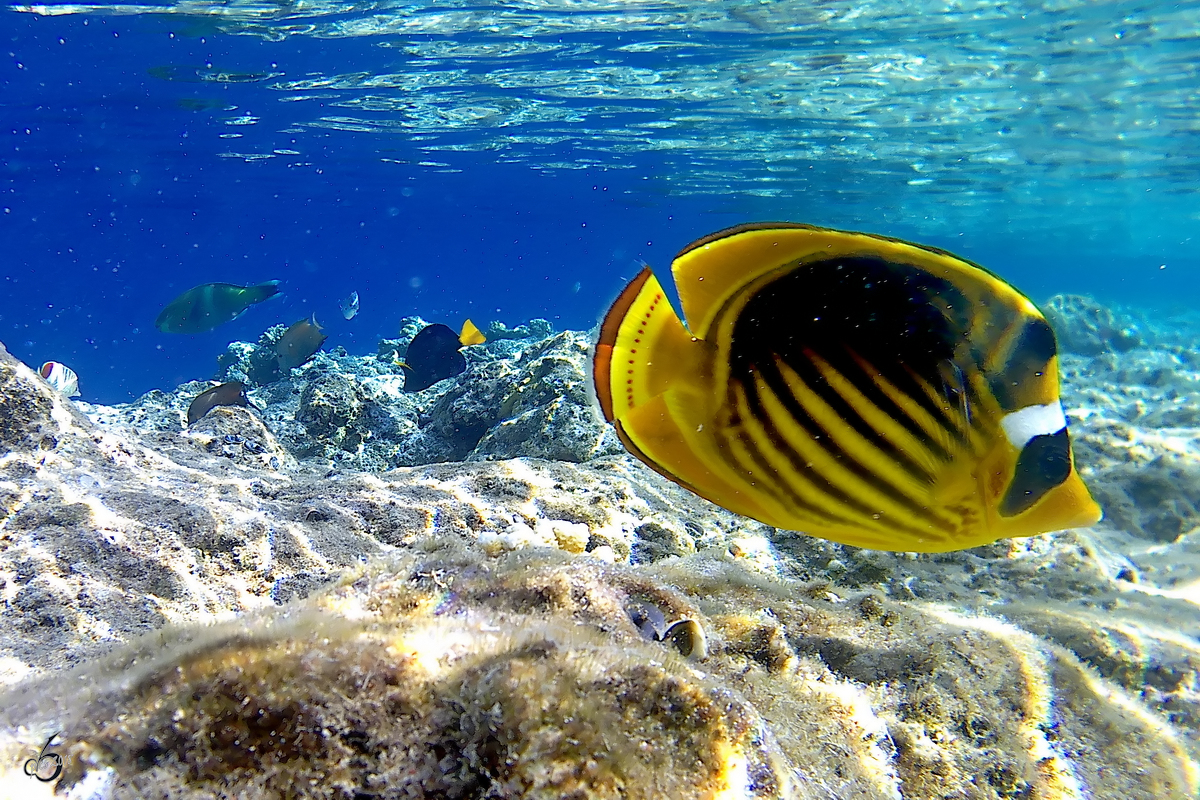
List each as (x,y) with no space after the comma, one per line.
(331,410)
(548,411)
(1086,327)
(33,416)
(239,435)
(534,329)
(252,364)
(519,397)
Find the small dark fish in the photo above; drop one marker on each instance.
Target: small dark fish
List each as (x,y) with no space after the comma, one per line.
(433,355)
(204,307)
(298,343)
(227,394)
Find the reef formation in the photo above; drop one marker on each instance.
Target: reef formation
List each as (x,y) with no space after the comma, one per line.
(473,592)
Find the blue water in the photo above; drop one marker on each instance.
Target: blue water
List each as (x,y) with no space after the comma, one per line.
(510,161)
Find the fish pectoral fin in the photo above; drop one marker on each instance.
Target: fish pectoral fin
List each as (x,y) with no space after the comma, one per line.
(955,483)
(954,386)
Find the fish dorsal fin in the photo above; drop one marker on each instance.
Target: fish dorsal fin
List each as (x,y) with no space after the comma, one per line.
(712,270)
(471,334)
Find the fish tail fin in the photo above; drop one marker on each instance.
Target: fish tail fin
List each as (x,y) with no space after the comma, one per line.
(643,348)
(471,334)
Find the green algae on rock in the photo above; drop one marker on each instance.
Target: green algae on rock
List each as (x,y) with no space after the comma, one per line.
(447,674)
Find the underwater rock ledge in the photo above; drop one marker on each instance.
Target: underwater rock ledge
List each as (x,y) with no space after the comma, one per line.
(446,673)
(143,563)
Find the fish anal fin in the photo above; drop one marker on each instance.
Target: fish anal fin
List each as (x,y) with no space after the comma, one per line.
(663,434)
(954,388)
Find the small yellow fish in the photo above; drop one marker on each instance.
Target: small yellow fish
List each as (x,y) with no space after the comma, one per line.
(862,389)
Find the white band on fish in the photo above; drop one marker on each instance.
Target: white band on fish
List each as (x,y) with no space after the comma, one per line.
(1021,426)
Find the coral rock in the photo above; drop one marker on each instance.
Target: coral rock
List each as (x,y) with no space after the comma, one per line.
(1084,326)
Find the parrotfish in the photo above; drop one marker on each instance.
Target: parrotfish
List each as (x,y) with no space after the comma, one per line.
(204,307)
(858,388)
(299,343)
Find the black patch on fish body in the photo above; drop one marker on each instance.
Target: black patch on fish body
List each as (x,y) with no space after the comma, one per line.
(432,356)
(1045,462)
(227,394)
(903,322)
(865,307)
(1034,348)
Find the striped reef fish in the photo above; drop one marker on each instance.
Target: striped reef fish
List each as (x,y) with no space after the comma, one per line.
(854,387)
(349,306)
